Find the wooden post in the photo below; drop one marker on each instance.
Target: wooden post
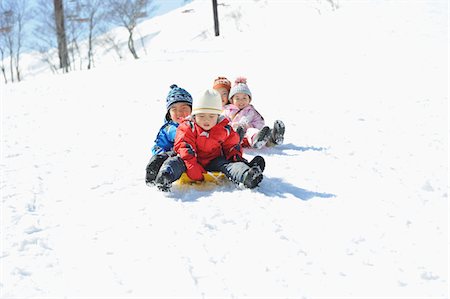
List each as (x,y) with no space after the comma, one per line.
(216,18)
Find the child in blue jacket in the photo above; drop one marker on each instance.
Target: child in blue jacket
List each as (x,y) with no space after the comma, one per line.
(179,106)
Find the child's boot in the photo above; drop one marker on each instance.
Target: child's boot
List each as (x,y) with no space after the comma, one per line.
(253,177)
(258,161)
(153,167)
(164,180)
(261,138)
(277,134)
(170,171)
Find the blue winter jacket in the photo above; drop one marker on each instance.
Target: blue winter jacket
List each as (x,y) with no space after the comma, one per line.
(165,138)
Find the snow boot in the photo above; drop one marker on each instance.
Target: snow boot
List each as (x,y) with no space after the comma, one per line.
(261,138)
(253,177)
(163,182)
(277,134)
(165,176)
(258,161)
(153,167)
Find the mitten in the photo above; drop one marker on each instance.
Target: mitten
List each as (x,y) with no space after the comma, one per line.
(195,171)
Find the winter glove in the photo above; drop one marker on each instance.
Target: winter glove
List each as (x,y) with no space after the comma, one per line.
(245,123)
(194,171)
(241,132)
(242,125)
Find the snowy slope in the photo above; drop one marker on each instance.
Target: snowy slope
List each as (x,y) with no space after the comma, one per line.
(354,204)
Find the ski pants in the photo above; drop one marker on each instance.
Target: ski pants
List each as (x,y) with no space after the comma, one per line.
(173,168)
(234,171)
(154,165)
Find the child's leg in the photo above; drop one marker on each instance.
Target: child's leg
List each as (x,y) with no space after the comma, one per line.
(258,138)
(153,167)
(170,171)
(233,171)
(237,172)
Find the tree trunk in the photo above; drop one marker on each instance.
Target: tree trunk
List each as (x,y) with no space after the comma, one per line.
(61,35)
(4,74)
(2,67)
(18,73)
(131,45)
(18,58)
(90,58)
(11,66)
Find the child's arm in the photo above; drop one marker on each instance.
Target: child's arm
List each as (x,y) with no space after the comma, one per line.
(231,146)
(164,140)
(248,118)
(186,149)
(256,120)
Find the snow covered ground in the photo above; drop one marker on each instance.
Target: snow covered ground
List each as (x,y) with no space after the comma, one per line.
(353,205)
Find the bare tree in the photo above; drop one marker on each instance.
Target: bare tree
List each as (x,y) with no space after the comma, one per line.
(74,31)
(22,16)
(7,34)
(5,28)
(83,24)
(334,4)
(61,35)
(13,19)
(45,32)
(126,13)
(110,41)
(91,13)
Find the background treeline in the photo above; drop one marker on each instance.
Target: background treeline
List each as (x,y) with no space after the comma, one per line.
(66,33)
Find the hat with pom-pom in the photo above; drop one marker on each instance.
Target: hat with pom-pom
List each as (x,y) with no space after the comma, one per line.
(222,82)
(240,86)
(177,95)
(209,102)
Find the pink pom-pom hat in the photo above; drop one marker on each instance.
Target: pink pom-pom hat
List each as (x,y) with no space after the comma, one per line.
(240,86)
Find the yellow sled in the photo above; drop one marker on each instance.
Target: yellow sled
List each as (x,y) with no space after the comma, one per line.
(210,177)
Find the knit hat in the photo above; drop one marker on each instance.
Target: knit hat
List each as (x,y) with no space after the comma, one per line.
(240,86)
(177,95)
(209,102)
(222,82)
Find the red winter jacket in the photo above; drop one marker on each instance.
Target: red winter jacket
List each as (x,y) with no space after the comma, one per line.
(198,147)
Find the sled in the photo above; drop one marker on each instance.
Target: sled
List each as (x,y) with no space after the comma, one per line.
(215,177)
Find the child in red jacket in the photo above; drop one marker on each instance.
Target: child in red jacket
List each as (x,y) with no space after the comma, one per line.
(207,142)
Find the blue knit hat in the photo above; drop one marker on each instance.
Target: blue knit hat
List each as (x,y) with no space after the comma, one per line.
(177,95)
(240,86)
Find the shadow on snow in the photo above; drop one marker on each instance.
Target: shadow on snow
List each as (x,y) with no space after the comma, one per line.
(277,187)
(271,187)
(283,150)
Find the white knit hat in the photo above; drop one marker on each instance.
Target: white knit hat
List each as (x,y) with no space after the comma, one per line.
(209,102)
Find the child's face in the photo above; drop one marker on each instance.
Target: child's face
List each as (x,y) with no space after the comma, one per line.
(224,94)
(206,120)
(179,111)
(241,100)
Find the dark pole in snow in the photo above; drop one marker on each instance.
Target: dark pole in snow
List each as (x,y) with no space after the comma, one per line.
(61,35)
(216,18)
